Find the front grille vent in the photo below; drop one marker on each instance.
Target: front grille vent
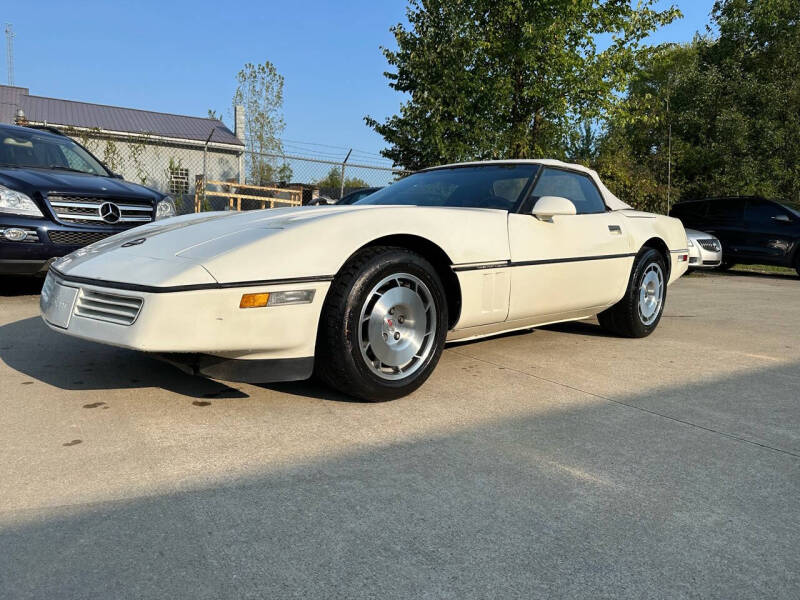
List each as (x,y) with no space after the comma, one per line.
(87,210)
(113,308)
(710,245)
(78,238)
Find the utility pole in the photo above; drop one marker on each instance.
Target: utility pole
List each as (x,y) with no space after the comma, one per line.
(669,154)
(205,161)
(10,53)
(341,191)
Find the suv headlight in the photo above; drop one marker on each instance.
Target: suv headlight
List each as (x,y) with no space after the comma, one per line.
(691,243)
(165,208)
(12,201)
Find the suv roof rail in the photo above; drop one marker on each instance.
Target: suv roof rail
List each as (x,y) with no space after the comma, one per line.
(48,128)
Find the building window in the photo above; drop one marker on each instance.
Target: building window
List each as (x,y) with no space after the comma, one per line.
(178,180)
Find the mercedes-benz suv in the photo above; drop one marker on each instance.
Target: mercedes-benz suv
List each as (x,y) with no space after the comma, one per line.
(55,197)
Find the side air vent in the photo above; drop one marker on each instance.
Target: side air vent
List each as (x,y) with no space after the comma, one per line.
(111,308)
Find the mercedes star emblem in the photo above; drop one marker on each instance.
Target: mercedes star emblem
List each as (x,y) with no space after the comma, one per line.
(110,212)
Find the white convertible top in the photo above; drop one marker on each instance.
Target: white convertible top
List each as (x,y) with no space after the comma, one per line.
(610,199)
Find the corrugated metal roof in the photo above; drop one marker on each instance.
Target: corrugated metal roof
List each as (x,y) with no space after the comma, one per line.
(10,102)
(70,113)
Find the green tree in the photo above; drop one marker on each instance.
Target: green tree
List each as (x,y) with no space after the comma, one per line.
(731,103)
(260,90)
(333,181)
(507,78)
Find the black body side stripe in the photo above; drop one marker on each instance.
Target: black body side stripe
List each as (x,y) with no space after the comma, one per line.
(548,261)
(151,289)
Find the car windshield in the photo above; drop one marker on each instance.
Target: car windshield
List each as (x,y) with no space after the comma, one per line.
(793,210)
(26,149)
(489,186)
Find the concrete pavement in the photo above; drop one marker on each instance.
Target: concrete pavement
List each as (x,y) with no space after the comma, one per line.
(560,463)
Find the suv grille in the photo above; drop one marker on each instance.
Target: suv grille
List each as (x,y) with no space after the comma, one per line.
(710,245)
(77,238)
(113,308)
(87,210)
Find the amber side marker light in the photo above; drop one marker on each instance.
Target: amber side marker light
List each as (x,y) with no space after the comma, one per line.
(254,300)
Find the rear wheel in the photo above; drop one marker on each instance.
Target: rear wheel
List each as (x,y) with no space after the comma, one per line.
(383,325)
(640,310)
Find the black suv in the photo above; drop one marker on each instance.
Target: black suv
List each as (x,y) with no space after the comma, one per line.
(752,229)
(55,197)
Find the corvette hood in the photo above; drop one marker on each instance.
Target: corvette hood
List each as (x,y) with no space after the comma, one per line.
(281,243)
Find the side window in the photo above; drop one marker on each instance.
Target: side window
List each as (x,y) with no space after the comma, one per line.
(575,187)
(727,211)
(760,212)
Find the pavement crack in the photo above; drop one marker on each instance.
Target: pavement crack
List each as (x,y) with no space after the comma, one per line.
(633,406)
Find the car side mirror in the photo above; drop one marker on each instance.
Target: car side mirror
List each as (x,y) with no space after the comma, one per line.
(782,218)
(547,207)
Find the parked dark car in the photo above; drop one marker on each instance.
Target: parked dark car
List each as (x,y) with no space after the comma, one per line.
(55,197)
(357,195)
(752,230)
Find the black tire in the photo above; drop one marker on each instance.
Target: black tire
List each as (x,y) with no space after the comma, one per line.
(624,318)
(339,360)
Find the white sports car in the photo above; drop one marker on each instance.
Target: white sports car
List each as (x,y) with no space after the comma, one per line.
(365,296)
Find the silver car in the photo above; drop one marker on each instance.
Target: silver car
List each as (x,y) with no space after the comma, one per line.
(705,251)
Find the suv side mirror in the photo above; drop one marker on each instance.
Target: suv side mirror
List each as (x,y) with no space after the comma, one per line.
(782,218)
(548,206)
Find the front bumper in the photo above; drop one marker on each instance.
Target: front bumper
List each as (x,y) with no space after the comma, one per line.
(28,258)
(700,258)
(184,325)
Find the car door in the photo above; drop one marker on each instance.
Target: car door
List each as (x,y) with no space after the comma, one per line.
(570,262)
(770,231)
(725,220)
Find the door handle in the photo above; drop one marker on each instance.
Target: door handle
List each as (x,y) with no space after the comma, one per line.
(615,229)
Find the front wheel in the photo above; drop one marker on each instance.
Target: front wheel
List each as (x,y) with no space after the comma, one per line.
(640,309)
(383,325)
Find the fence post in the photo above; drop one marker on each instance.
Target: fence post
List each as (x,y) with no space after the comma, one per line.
(341,191)
(199,183)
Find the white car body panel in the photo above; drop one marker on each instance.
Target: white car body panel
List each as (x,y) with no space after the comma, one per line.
(512,271)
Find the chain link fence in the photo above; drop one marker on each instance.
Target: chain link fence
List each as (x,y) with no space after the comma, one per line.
(198,176)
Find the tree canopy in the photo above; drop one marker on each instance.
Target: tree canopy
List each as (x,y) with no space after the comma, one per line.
(575,79)
(732,103)
(507,79)
(260,90)
(332,182)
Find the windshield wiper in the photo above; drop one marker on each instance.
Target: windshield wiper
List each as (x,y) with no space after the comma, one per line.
(63,168)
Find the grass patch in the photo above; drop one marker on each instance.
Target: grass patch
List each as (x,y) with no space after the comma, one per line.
(765,269)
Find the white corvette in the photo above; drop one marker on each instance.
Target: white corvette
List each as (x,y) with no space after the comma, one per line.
(366,295)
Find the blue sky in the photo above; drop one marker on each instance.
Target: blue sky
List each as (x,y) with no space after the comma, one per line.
(182,57)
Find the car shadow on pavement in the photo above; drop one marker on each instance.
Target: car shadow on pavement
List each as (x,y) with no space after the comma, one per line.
(11,285)
(583,499)
(311,388)
(69,363)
